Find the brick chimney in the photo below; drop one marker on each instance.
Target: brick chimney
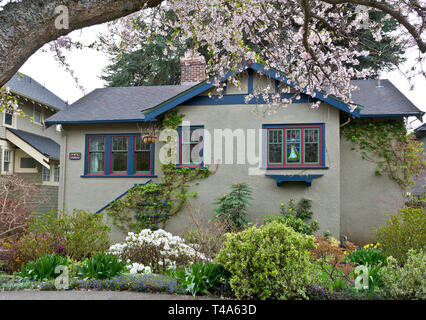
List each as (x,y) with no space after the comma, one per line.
(193,67)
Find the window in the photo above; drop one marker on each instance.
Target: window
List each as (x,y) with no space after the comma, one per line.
(27,163)
(45,174)
(295,146)
(191,146)
(7,155)
(96,155)
(37,115)
(119,155)
(142,156)
(123,155)
(8,118)
(56,173)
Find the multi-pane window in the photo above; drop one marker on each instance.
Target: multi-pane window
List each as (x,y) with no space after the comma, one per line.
(56,173)
(142,156)
(294,145)
(45,174)
(190,146)
(8,117)
(275,146)
(119,155)
(37,115)
(96,155)
(6,160)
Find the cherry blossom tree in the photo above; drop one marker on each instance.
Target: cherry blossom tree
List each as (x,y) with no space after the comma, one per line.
(313,43)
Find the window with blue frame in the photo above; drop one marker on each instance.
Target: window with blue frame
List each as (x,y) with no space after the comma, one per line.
(190,139)
(118,155)
(294,146)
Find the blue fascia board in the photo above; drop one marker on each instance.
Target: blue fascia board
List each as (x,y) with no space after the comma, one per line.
(206,85)
(96,121)
(121,195)
(280,179)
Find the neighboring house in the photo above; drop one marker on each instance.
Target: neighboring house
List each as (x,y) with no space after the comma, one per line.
(302,152)
(27,147)
(419,187)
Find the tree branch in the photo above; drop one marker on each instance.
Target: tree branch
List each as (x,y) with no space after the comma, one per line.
(27,25)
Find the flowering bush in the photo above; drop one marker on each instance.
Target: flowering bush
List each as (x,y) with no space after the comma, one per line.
(138,268)
(369,254)
(31,247)
(158,249)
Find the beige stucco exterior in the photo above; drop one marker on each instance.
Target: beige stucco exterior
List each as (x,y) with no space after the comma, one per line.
(349,199)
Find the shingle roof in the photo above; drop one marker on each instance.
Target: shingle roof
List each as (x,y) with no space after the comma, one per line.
(422,128)
(116,104)
(383,100)
(46,146)
(27,87)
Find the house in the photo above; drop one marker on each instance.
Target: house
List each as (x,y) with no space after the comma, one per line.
(419,187)
(28,148)
(300,152)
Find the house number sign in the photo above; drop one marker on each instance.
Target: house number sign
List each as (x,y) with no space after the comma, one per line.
(75,155)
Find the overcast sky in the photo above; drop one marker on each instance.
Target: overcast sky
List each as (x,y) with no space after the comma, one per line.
(88,66)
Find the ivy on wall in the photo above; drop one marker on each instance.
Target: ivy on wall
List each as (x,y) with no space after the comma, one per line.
(387,144)
(151,205)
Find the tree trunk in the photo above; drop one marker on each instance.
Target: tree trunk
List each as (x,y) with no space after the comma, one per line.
(27,25)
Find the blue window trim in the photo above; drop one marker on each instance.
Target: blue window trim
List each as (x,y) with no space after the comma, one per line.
(107,157)
(265,126)
(178,160)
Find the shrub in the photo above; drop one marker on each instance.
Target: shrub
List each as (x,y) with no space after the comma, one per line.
(102,266)
(43,268)
(31,247)
(402,232)
(85,232)
(17,200)
(367,255)
(409,281)
(331,259)
(271,261)
(206,236)
(157,249)
(201,278)
(296,216)
(233,206)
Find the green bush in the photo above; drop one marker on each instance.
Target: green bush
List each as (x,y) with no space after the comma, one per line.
(201,278)
(271,261)
(43,268)
(370,256)
(102,266)
(296,216)
(409,281)
(403,232)
(86,234)
(233,207)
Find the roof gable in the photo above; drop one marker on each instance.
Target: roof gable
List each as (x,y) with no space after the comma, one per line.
(151,114)
(27,87)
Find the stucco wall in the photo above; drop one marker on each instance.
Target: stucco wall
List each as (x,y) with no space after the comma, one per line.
(367,200)
(93,193)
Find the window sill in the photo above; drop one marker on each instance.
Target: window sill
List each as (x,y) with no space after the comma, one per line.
(118,176)
(294,168)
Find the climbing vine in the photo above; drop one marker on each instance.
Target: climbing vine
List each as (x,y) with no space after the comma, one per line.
(154,203)
(387,144)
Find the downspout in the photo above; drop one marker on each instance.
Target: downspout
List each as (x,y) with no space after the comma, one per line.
(64,170)
(345,123)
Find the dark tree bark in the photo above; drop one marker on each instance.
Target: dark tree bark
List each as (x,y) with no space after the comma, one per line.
(27,25)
